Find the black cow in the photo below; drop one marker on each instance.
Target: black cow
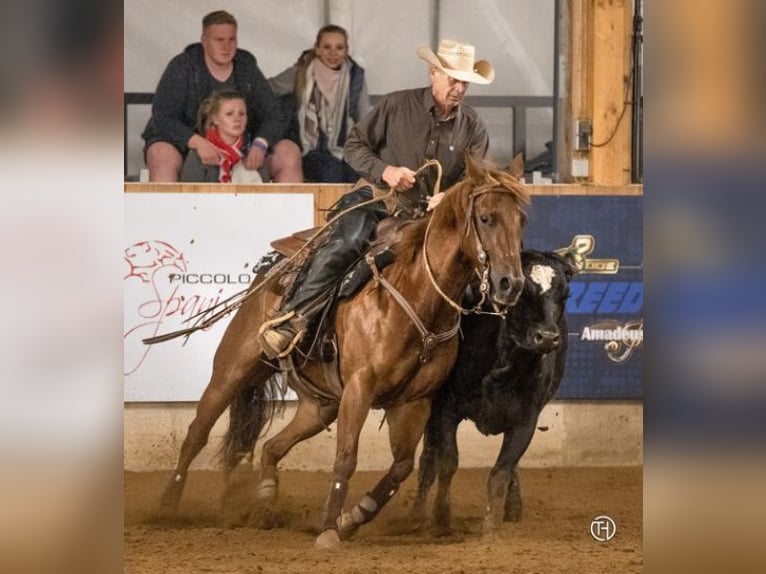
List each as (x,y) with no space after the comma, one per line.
(506,371)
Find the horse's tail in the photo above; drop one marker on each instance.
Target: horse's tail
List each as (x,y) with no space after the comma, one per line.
(250,412)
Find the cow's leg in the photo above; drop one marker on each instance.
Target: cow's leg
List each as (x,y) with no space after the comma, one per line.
(405,428)
(512,511)
(429,459)
(515,443)
(447,458)
(310,418)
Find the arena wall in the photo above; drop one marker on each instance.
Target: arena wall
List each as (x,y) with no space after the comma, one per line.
(570,433)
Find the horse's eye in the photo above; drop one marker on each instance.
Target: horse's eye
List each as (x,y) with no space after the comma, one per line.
(485,219)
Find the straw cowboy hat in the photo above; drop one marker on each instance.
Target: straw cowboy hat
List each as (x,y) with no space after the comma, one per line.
(457,60)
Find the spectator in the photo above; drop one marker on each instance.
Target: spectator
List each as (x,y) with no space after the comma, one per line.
(202,69)
(222,120)
(386,147)
(328,90)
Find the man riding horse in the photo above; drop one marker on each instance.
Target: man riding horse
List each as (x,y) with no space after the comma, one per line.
(403,131)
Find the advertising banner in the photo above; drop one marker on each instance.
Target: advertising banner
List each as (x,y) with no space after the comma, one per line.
(605,308)
(184,252)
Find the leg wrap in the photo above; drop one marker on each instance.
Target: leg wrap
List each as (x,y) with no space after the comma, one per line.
(333,505)
(365,510)
(373,501)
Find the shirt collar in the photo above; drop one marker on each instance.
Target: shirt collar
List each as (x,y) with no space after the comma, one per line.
(430,106)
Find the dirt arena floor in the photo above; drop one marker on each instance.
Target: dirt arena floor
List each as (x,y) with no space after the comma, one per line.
(236,535)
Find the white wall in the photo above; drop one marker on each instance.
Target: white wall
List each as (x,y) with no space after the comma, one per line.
(515,35)
(577,433)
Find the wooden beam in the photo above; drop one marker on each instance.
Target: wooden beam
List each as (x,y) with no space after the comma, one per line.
(609,76)
(578,84)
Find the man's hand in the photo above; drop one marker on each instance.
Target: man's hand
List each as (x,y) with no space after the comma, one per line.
(255,158)
(207,152)
(399,178)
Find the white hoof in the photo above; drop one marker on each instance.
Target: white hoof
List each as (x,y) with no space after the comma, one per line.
(328,540)
(267,489)
(347,527)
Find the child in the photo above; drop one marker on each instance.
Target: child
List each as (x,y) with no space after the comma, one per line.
(222,118)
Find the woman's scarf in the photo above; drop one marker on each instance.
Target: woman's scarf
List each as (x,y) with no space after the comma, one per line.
(323,104)
(230,153)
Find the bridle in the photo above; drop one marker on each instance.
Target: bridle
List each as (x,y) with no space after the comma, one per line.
(483,268)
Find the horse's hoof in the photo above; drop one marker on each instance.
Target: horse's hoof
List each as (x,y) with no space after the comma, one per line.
(489,530)
(512,514)
(441,530)
(328,540)
(417,516)
(169,504)
(347,528)
(267,489)
(167,512)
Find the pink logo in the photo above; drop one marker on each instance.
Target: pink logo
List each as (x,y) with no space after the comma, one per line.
(146,257)
(163,303)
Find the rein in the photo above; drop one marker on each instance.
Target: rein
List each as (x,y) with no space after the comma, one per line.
(429,339)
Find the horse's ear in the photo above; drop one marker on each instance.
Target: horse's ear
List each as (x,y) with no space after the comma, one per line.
(473,168)
(516,169)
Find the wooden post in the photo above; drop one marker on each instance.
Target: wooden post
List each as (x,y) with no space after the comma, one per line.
(609,79)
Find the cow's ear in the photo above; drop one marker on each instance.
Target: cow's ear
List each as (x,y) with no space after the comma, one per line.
(516,169)
(571,264)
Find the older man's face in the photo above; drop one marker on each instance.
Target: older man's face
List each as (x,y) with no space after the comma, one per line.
(220,43)
(447,91)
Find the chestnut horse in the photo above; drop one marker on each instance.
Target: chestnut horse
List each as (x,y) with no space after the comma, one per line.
(385,361)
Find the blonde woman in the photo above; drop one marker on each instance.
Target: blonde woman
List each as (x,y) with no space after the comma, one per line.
(325,95)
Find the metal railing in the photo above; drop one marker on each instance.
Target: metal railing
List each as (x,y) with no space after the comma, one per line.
(517,104)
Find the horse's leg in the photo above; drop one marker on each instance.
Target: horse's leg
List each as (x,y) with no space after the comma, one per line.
(236,362)
(310,418)
(448,463)
(515,443)
(512,510)
(406,423)
(355,404)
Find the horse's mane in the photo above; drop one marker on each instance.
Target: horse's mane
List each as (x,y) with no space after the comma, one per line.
(452,209)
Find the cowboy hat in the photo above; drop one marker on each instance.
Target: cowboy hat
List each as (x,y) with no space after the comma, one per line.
(457,60)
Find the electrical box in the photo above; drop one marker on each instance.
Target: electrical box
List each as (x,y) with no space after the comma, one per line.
(583,132)
(580,167)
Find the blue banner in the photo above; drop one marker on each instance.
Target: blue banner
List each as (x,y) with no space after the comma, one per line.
(605,309)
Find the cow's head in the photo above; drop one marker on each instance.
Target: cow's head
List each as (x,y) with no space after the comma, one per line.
(535,322)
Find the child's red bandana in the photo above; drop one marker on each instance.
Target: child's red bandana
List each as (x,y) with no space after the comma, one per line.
(230,153)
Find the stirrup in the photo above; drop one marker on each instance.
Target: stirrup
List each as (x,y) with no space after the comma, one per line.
(278,343)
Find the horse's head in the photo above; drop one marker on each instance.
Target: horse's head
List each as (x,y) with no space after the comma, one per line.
(494,201)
